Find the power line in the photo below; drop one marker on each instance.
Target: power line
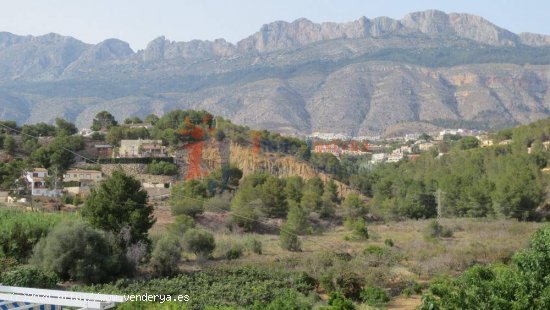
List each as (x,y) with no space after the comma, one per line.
(35,137)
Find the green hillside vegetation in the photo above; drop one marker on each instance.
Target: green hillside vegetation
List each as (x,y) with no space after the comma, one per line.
(470,181)
(265,242)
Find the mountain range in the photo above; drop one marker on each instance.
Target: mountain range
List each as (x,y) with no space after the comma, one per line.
(375,76)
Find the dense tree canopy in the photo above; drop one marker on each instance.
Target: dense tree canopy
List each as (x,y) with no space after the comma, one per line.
(119,203)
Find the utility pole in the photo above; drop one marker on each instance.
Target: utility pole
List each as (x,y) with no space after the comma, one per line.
(55,176)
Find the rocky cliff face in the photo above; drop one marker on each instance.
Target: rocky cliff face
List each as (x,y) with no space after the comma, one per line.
(426,70)
(215,154)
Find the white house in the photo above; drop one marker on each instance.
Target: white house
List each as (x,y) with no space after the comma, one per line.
(141,148)
(37,180)
(378,158)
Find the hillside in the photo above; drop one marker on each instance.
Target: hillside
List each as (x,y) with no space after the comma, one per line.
(358,78)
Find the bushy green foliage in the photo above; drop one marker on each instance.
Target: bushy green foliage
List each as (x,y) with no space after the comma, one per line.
(374,296)
(360,230)
(312,195)
(288,238)
(200,242)
(234,252)
(499,180)
(273,197)
(9,145)
(354,206)
(269,141)
(188,198)
(118,203)
(10,172)
(181,224)
(76,251)
(288,300)
(237,287)
(20,231)
(60,153)
(166,256)
(521,285)
(161,167)
(220,203)
(436,230)
(339,302)
(349,284)
(115,134)
(29,276)
(328,163)
(254,245)
(64,128)
(297,220)
(103,120)
(294,188)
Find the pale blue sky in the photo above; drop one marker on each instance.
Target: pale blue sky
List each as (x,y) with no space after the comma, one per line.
(139,21)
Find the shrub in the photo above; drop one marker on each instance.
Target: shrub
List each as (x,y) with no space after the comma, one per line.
(6,263)
(297,220)
(374,296)
(166,256)
(435,230)
(20,231)
(182,223)
(255,246)
(304,283)
(29,276)
(119,203)
(373,250)
(200,242)
(246,215)
(188,206)
(235,252)
(218,204)
(289,300)
(349,284)
(354,206)
(325,280)
(360,229)
(389,243)
(339,302)
(161,168)
(76,251)
(288,239)
(412,288)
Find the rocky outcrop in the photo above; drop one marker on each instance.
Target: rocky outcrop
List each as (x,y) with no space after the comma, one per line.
(357,78)
(162,49)
(217,153)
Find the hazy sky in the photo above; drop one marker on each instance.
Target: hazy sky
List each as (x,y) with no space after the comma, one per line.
(139,21)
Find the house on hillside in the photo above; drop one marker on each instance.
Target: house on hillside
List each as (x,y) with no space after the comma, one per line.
(141,148)
(38,184)
(79,175)
(80,181)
